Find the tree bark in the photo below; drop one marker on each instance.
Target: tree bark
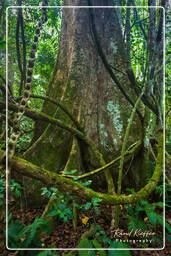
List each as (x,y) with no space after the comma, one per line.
(83,85)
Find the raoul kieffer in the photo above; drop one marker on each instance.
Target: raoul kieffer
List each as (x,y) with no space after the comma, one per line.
(132,233)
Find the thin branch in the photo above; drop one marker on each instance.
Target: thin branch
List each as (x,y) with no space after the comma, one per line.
(36,115)
(3,135)
(9,85)
(137,18)
(152,152)
(137,89)
(125,142)
(55,102)
(139,21)
(167,113)
(133,149)
(27,131)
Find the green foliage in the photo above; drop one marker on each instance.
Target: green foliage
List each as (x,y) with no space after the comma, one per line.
(149,211)
(45,58)
(98,242)
(159,189)
(14,231)
(61,208)
(135,223)
(62,211)
(47,253)
(2,189)
(69,254)
(15,188)
(143,207)
(26,236)
(49,192)
(70,172)
(101,236)
(93,204)
(119,252)
(21,236)
(86,183)
(85,243)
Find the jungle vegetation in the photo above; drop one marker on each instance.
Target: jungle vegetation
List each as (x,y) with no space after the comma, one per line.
(89,158)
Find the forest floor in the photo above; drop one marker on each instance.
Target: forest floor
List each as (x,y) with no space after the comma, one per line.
(64,236)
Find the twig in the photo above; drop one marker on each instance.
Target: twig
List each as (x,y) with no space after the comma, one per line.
(134,147)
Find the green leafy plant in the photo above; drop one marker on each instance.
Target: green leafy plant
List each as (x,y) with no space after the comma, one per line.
(93,204)
(47,253)
(119,252)
(70,172)
(49,192)
(101,236)
(16,188)
(62,211)
(98,241)
(145,215)
(61,208)
(27,236)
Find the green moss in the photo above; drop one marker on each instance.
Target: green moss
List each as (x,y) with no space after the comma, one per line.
(114,112)
(114,47)
(27,169)
(50,149)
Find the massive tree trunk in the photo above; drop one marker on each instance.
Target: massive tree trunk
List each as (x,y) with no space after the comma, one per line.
(83,85)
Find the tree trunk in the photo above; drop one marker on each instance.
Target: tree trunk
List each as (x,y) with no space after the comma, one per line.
(83,85)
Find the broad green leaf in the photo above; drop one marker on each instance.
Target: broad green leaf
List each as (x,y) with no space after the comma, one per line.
(119,252)
(45,253)
(85,243)
(70,172)
(168,227)
(69,254)
(159,204)
(87,206)
(87,253)
(98,245)
(135,223)
(86,183)
(53,213)
(2,45)
(154,217)
(14,229)
(168,238)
